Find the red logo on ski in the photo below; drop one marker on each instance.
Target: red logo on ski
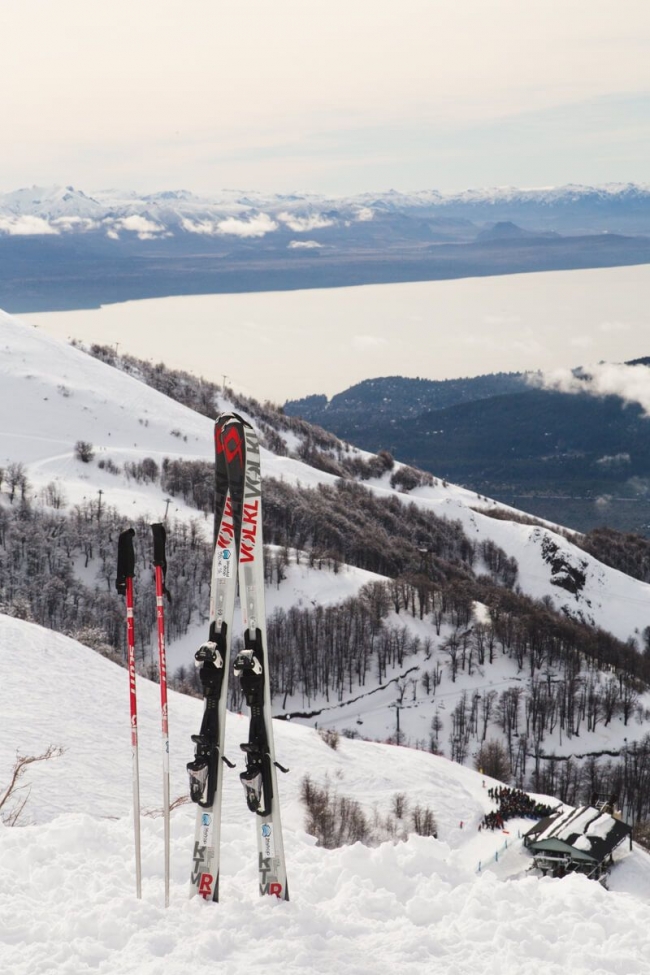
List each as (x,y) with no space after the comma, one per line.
(230,443)
(227,529)
(205,885)
(249,531)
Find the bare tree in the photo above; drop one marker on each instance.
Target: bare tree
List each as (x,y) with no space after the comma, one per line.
(492,759)
(14,799)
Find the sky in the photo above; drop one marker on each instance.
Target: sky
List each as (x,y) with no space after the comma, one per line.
(326,95)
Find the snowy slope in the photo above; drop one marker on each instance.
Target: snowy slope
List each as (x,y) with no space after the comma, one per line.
(52,395)
(67,902)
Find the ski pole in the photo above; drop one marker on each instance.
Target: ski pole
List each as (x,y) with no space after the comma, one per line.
(124,585)
(160,566)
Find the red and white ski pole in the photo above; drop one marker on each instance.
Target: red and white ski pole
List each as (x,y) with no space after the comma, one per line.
(160,567)
(124,585)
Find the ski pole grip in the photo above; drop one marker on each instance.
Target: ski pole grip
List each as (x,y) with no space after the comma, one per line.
(159,538)
(125,560)
(159,559)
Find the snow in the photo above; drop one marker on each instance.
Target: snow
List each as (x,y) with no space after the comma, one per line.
(609,599)
(67,900)
(309,586)
(600,827)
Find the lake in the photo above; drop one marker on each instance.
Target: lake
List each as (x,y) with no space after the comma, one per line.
(284,345)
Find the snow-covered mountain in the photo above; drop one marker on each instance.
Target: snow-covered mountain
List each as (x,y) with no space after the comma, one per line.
(245,214)
(463,901)
(57,394)
(53,395)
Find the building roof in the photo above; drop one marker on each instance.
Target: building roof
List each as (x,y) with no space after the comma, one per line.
(585,834)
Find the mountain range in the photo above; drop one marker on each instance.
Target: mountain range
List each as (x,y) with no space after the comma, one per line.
(61,247)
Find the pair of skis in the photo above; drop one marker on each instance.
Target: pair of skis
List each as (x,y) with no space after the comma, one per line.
(124,585)
(237,557)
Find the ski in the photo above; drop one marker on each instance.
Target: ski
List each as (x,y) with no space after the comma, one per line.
(213,661)
(259,778)
(237,557)
(124,586)
(160,569)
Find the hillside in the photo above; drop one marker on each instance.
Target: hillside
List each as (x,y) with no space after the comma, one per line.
(422,903)
(451,623)
(576,459)
(364,410)
(444,611)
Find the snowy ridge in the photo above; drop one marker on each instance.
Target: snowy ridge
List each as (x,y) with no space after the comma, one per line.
(420,905)
(240,213)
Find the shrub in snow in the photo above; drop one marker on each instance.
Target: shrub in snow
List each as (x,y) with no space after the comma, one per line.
(83,451)
(334,820)
(424,823)
(399,805)
(331,737)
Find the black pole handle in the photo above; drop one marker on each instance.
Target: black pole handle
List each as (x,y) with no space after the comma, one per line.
(125,560)
(159,558)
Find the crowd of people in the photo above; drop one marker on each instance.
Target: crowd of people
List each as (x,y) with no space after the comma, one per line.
(512,803)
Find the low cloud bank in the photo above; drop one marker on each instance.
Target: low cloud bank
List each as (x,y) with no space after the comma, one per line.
(257,225)
(299,225)
(631,383)
(25,226)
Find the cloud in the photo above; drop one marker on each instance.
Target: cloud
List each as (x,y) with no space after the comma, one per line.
(631,383)
(78,223)
(300,225)
(144,228)
(304,244)
(207,227)
(26,226)
(256,226)
(614,460)
(365,214)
